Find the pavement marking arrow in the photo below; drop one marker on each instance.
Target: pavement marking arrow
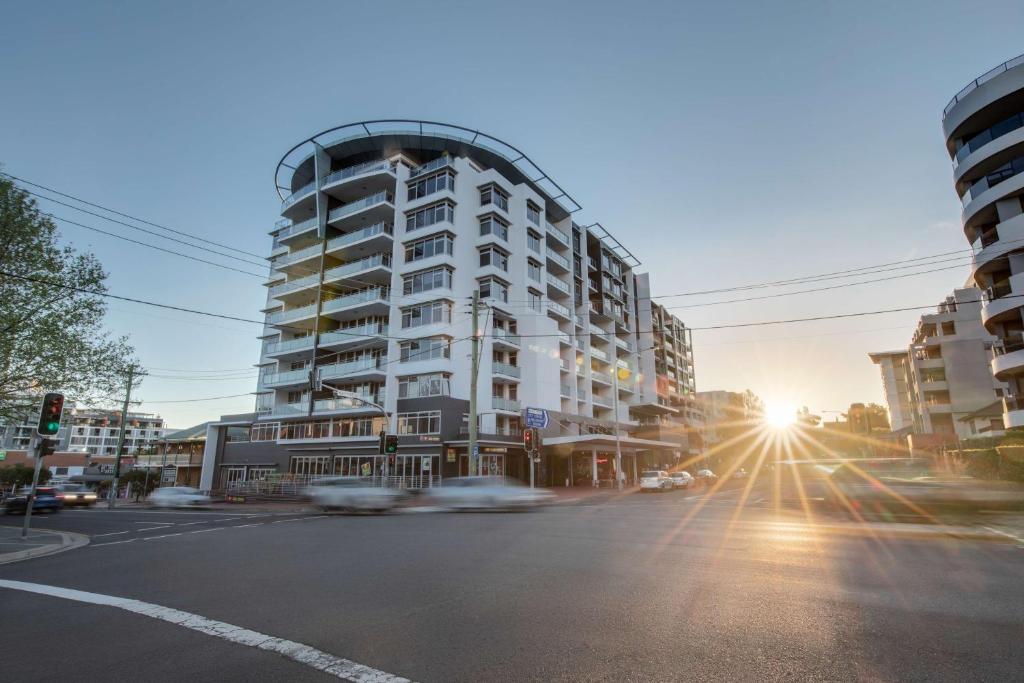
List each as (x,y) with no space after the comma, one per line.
(338,667)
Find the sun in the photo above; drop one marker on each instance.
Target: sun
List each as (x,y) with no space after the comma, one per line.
(779,415)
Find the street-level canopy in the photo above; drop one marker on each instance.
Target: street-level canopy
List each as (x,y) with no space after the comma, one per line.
(565,445)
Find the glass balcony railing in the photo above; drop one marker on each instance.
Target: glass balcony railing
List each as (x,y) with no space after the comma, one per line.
(565,338)
(560,309)
(624,344)
(358,169)
(298,194)
(375,261)
(295,285)
(353,333)
(505,369)
(296,256)
(558,283)
(289,377)
(499,403)
(987,76)
(506,336)
(289,409)
(559,234)
(437,163)
(382,228)
(360,204)
(337,370)
(327,405)
(293,314)
(558,258)
(296,228)
(289,345)
(599,354)
(361,297)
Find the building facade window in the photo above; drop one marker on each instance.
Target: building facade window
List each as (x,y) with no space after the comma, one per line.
(430,348)
(533,213)
(422,187)
(494,225)
(431,246)
(492,256)
(533,270)
(493,288)
(419,386)
(427,314)
(533,241)
(426,280)
(441,212)
(264,432)
(492,194)
(424,422)
(533,300)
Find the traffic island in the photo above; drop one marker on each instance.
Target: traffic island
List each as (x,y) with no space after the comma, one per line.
(40,542)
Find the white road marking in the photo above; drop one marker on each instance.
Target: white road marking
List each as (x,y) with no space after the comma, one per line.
(203,531)
(97,545)
(150,538)
(156,528)
(303,654)
(112,533)
(240,526)
(1006,534)
(194,523)
(298,519)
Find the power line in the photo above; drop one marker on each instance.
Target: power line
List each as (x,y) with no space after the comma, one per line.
(196,400)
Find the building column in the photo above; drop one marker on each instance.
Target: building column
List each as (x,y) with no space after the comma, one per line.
(593,464)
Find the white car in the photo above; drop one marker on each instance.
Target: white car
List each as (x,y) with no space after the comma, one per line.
(481,493)
(655,480)
(352,494)
(681,479)
(178,497)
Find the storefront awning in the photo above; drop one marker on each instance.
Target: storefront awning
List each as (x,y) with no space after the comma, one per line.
(653,409)
(564,445)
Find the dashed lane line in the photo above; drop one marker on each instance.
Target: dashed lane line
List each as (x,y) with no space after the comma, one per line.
(241,526)
(306,655)
(100,545)
(112,533)
(155,528)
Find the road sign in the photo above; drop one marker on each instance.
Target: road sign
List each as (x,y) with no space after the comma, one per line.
(476,450)
(536,417)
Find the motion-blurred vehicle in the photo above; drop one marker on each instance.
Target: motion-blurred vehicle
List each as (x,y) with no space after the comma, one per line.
(655,480)
(705,477)
(352,494)
(75,495)
(46,500)
(178,497)
(487,492)
(740,474)
(681,479)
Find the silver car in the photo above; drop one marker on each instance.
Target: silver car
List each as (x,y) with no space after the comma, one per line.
(178,497)
(353,494)
(482,493)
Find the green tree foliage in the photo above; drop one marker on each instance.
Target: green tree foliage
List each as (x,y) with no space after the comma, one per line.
(139,481)
(21,475)
(51,337)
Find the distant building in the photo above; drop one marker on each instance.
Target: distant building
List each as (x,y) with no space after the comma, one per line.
(946,372)
(179,455)
(727,414)
(97,431)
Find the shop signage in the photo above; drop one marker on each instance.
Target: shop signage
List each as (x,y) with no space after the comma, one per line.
(452,455)
(495,449)
(536,417)
(234,499)
(430,438)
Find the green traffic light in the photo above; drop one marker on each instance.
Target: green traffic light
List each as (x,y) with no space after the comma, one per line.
(53,426)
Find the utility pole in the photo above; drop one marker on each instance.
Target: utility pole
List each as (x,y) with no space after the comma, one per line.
(112,494)
(32,491)
(473,459)
(615,412)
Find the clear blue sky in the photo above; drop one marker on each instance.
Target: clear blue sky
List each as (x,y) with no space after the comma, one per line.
(725,143)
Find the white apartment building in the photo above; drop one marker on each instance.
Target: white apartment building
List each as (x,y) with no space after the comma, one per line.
(946,374)
(984,130)
(387,229)
(97,432)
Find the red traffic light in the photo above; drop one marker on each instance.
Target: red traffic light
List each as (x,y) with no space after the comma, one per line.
(530,439)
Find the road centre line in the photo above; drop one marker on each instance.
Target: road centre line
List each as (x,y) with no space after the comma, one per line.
(112,533)
(150,538)
(303,654)
(240,526)
(155,528)
(97,545)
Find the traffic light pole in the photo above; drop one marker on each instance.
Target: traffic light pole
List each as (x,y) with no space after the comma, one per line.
(112,494)
(32,491)
(473,458)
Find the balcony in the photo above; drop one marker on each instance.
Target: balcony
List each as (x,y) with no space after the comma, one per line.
(292,316)
(287,231)
(560,236)
(434,165)
(1013,412)
(561,263)
(295,198)
(372,175)
(347,405)
(599,355)
(563,365)
(559,310)
(355,336)
(298,260)
(290,409)
(559,284)
(377,237)
(506,404)
(352,369)
(624,345)
(602,401)
(284,379)
(506,370)
(565,391)
(290,346)
(375,268)
(501,336)
(376,208)
(565,338)
(295,286)
(358,304)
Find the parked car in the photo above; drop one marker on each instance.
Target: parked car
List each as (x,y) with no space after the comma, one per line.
(487,492)
(705,477)
(655,480)
(75,494)
(681,479)
(352,494)
(178,497)
(46,500)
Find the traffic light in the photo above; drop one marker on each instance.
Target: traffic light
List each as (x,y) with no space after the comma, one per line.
(530,439)
(49,416)
(391,444)
(47,447)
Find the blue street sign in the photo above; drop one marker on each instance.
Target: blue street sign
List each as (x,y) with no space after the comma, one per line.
(476,450)
(536,417)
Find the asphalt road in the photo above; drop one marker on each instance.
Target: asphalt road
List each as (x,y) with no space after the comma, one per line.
(648,587)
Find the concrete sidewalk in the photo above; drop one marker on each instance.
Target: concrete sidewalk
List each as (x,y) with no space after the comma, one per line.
(39,542)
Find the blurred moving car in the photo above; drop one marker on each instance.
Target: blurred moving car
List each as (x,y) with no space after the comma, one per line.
(740,474)
(705,477)
(75,494)
(681,479)
(178,497)
(487,492)
(46,500)
(352,494)
(655,480)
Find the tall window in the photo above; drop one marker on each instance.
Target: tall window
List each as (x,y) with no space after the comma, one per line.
(427,314)
(424,349)
(493,288)
(533,300)
(418,386)
(492,194)
(426,280)
(494,225)
(431,246)
(533,213)
(264,432)
(492,256)
(533,241)
(421,187)
(533,270)
(423,422)
(440,212)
